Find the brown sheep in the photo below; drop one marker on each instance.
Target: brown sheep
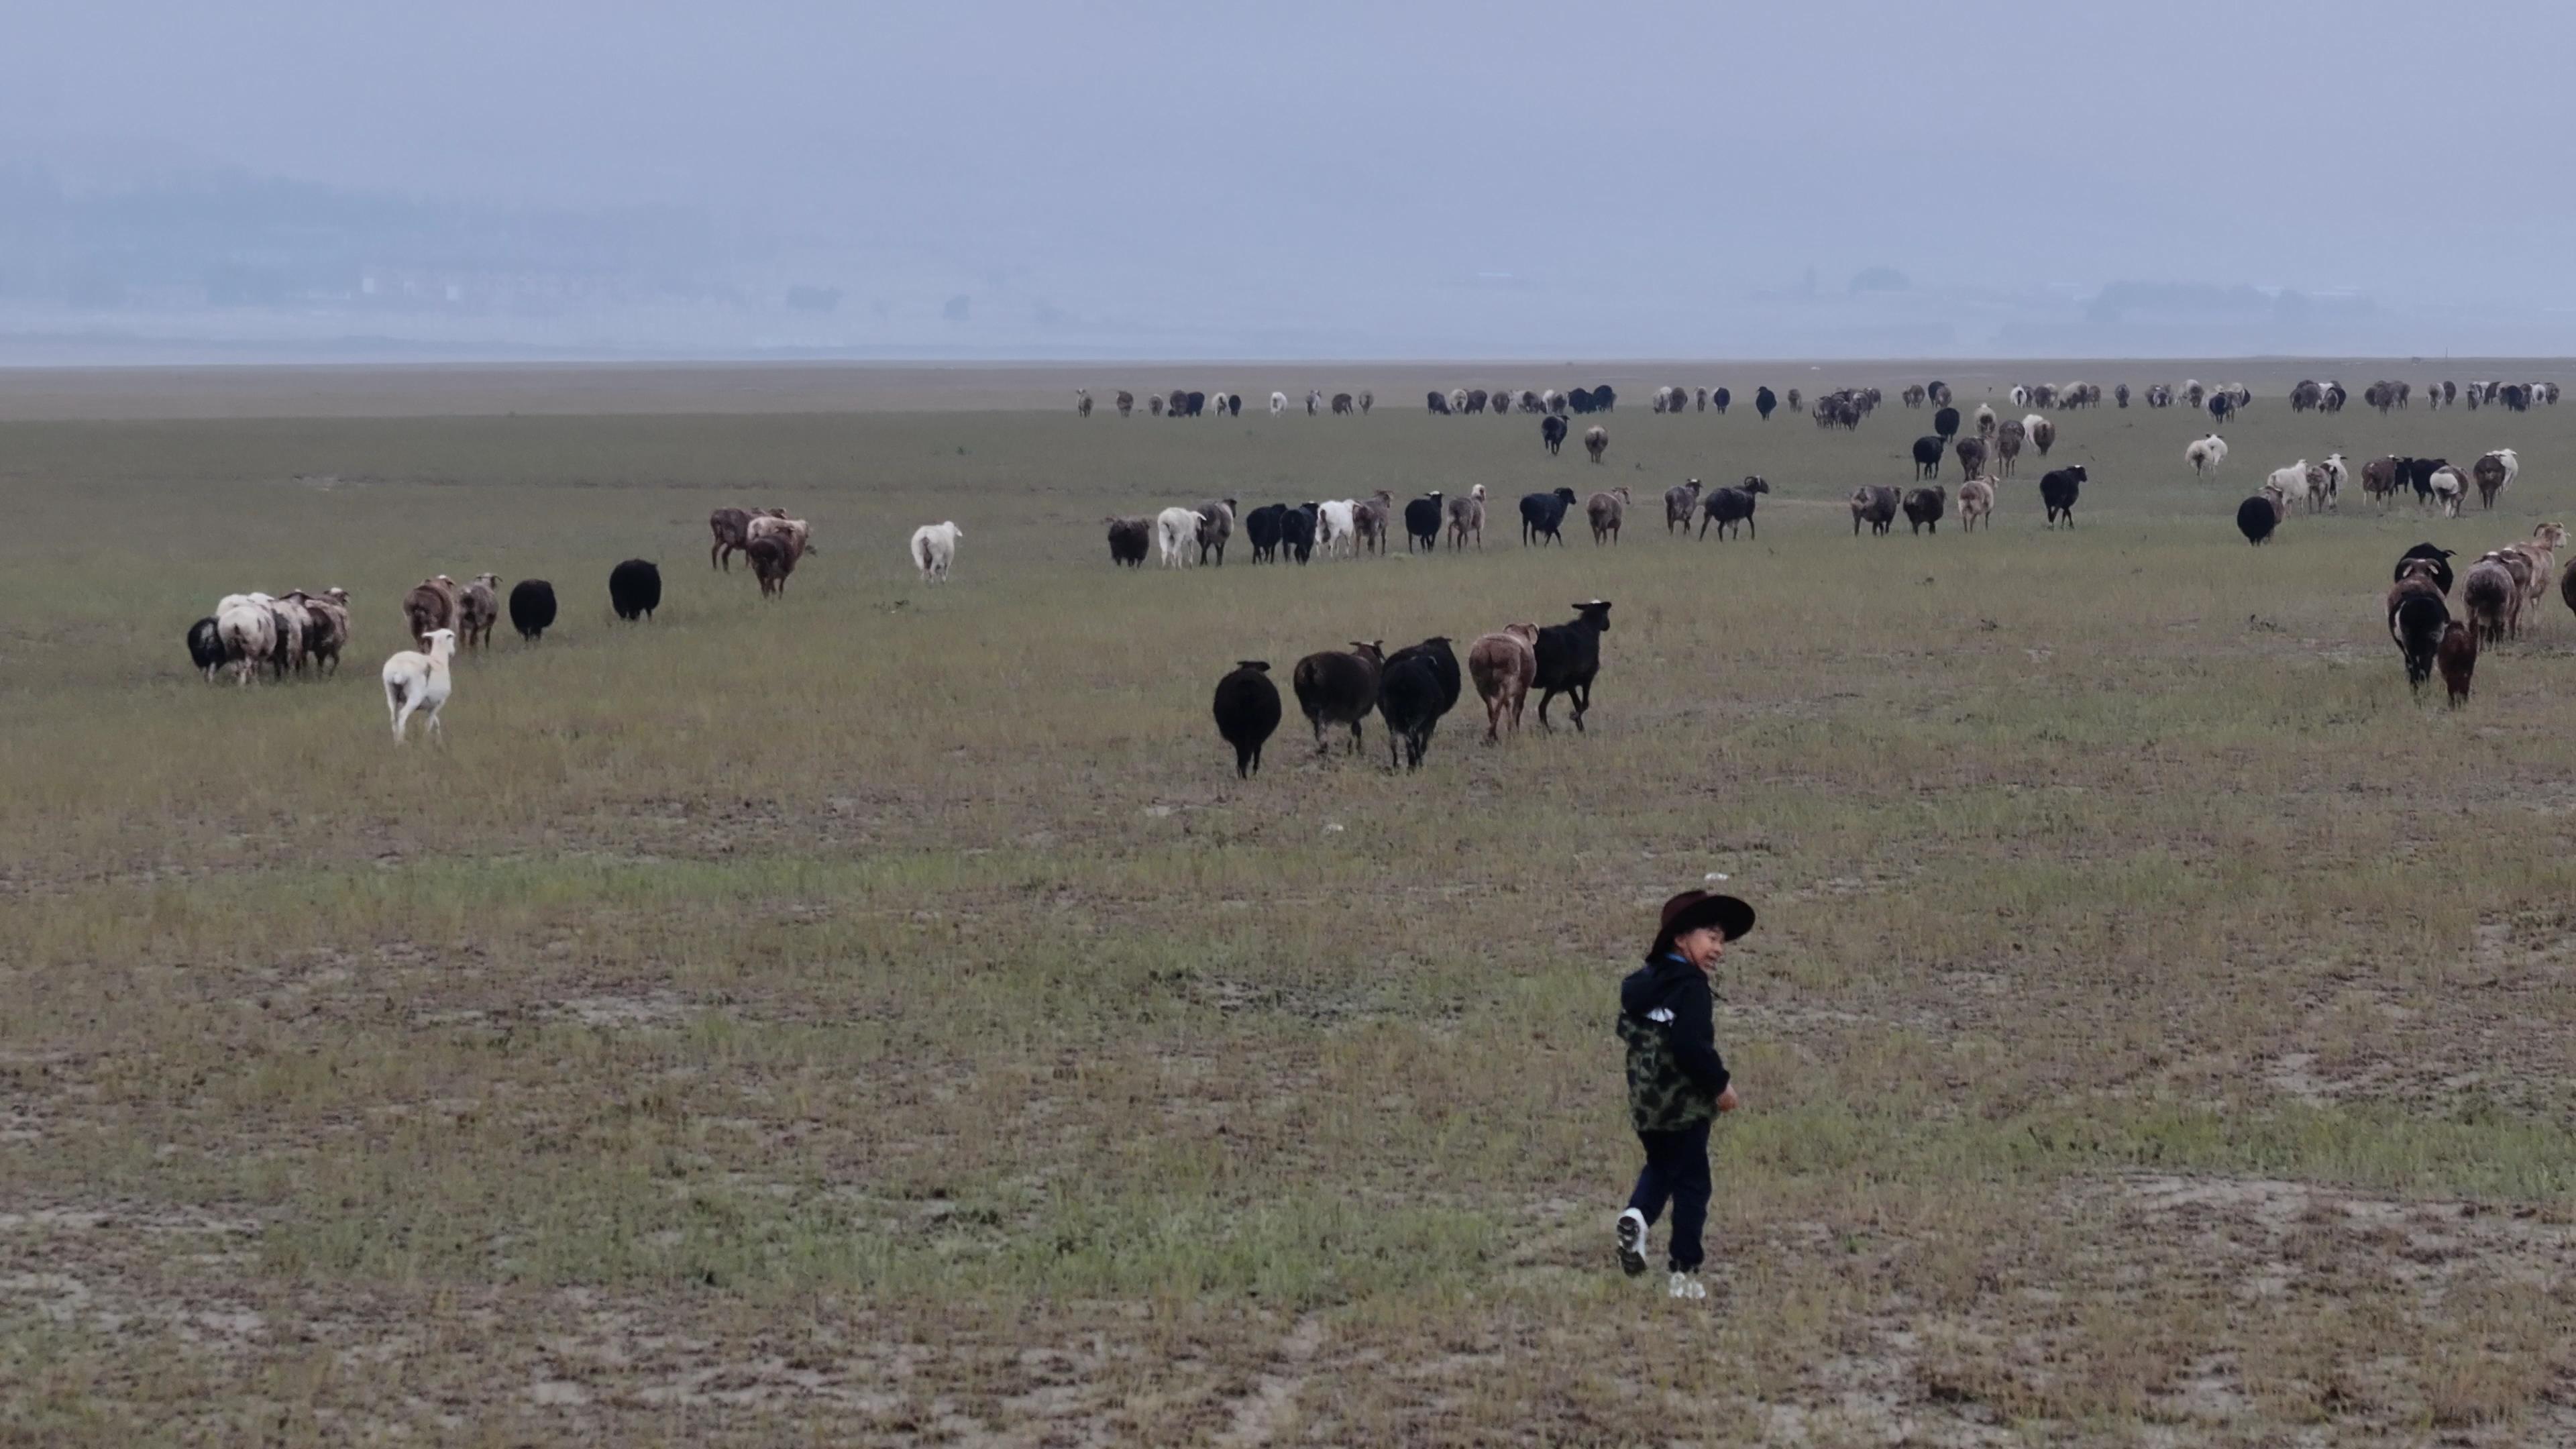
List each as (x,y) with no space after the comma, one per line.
(1875,506)
(1972,457)
(1976,501)
(727,525)
(2458,656)
(1607,511)
(1503,664)
(478,608)
(2043,434)
(772,560)
(1126,402)
(1467,518)
(327,631)
(2492,598)
(1370,518)
(2008,447)
(430,605)
(1680,502)
(1596,441)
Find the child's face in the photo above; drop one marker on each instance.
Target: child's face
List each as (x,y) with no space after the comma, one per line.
(1703,947)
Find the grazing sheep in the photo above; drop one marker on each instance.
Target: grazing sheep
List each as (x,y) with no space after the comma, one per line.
(1985,421)
(771,563)
(1720,399)
(1680,502)
(1596,441)
(1699,399)
(2205,455)
(206,647)
(431,604)
(1216,526)
(635,589)
(1876,505)
(1335,532)
(1247,710)
(2058,491)
(2495,473)
(1475,400)
(1338,688)
(1370,517)
(1176,533)
(1278,405)
(1551,431)
(293,623)
(934,550)
(1298,531)
(1972,457)
(1976,503)
(1467,518)
(727,524)
(1793,399)
(2043,433)
(1422,523)
(1368,400)
(1503,664)
(1927,456)
(793,534)
(2257,516)
(418,683)
(1126,402)
(1764,402)
(2492,598)
(1343,405)
(1606,511)
(1130,539)
(1418,685)
(1082,402)
(2450,487)
(2458,656)
(1543,514)
(1731,508)
(1569,658)
(1924,507)
(2418,624)
(478,608)
(532,608)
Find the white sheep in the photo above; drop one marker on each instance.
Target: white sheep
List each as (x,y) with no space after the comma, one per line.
(934,548)
(2205,456)
(1340,534)
(2291,484)
(1176,536)
(416,682)
(249,632)
(1278,403)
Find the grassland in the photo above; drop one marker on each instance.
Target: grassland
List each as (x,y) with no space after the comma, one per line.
(881,1016)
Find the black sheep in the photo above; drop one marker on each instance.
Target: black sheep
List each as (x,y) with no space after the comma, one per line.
(1262,526)
(1764,402)
(1580,399)
(1731,508)
(1543,514)
(1130,539)
(1408,700)
(1297,532)
(2058,491)
(2441,568)
(1194,404)
(1438,401)
(1551,431)
(532,608)
(1927,456)
(1422,523)
(1569,655)
(1946,423)
(1875,505)
(1234,404)
(635,589)
(1338,688)
(1247,711)
(2421,622)
(2256,518)
(1719,398)
(1923,509)
(206,646)
(2420,471)
(1604,398)
(1444,666)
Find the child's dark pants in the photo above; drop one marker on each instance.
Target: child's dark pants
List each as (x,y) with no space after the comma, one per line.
(1676,1172)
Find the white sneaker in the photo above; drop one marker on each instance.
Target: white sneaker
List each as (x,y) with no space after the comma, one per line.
(1687,1285)
(1632,1242)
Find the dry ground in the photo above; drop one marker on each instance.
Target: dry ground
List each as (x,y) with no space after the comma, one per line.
(881,1017)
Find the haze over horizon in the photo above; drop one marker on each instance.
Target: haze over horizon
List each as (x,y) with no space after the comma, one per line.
(289,178)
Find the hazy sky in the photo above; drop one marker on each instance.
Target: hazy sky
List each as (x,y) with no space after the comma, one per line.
(1381,161)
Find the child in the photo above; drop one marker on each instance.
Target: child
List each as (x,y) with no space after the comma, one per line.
(1677,1084)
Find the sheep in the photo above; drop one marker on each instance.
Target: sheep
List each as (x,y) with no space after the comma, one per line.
(2020,396)
(1596,441)
(206,647)
(1435,400)
(2337,473)
(635,589)
(1457,399)
(326,625)
(1154,404)
(2418,624)
(2492,598)
(1719,398)
(1126,402)
(1278,405)
(1793,399)
(1247,709)
(2458,657)
(1176,532)
(1875,505)
(2008,447)
(2567,586)
(1945,425)
(2449,487)
(2259,515)
(1297,529)
(2043,433)
(1927,457)
(2058,490)
(771,563)
(431,604)
(2205,455)
(1475,400)
(532,608)
(934,549)
(1335,531)
(1606,512)
(1130,539)
(2495,473)
(1985,421)
(292,625)
(727,525)
(1342,405)
(2292,484)
(1543,514)
(2534,559)
(1082,402)
(793,533)
(1216,526)
(1315,401)
(1339,688)
(1972,457)
(478,608)
(1976,502)
(1569,658)
(1680,502)
(1467,518)
(1551,431)
(1422,519)
(1699,399)
(1368,400)
(1503,664)
(1418,685)
(1923,508)
(1369,519)
(1731,508)
(418,683)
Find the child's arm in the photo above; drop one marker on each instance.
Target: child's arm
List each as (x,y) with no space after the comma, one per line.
(1694,1038)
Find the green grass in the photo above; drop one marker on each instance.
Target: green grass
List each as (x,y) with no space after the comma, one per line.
(882,1015)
